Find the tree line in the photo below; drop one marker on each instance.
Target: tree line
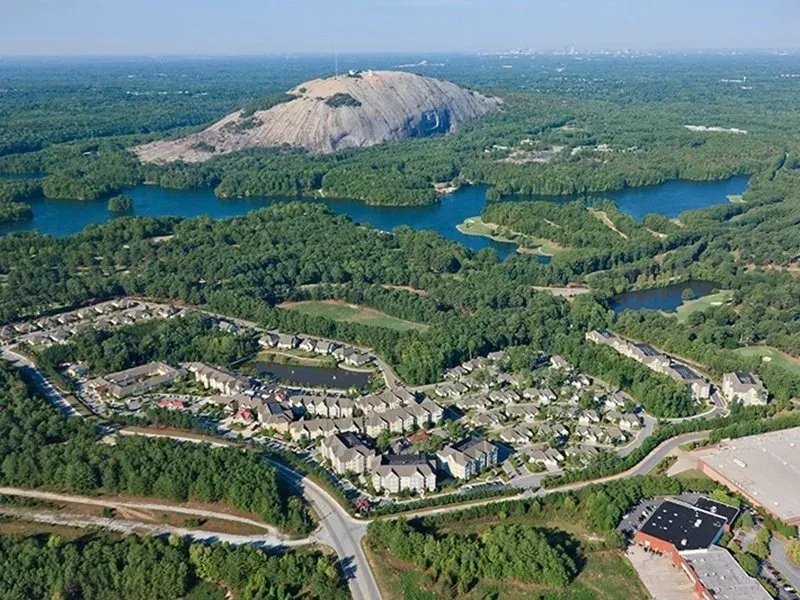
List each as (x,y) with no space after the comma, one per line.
(103,567)
(43,448)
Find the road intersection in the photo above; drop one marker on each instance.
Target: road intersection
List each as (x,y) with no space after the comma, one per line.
(338,529)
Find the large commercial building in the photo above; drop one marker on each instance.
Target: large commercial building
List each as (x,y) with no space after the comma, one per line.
(716,575)
(764,468)
(688,533)
(677,527)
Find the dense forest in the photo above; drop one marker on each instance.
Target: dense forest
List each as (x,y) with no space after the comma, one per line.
(102,567)
(246,266)
(607,136)
(610,135)
(43,448)
(501,552)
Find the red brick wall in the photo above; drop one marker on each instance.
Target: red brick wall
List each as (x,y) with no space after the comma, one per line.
(658,545)
(668,549)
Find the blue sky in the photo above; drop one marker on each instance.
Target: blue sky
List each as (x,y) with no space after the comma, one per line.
(90,27)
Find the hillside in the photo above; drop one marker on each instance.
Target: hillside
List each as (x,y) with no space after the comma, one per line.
(325,115)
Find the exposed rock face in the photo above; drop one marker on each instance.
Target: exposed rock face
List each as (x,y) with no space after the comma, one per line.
(348,111)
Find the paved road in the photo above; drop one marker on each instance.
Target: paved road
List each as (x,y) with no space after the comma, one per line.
(340,531)
(648,425)
(661,451)
(389,376)
(642,468)
(35,377)
(777,553)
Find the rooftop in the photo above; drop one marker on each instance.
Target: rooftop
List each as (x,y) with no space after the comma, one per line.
(723,577)
(747,378)
(647,350)
(404,459)
(718,508)
(684,526)
(765,467)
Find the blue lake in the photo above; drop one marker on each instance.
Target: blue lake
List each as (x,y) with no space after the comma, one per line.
(671,198)
(63,217)
(666,298)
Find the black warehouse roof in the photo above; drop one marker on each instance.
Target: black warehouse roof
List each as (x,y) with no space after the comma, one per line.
(684,526)
(718,508)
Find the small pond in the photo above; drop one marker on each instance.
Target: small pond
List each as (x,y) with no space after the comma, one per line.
(300,375)
(666,298)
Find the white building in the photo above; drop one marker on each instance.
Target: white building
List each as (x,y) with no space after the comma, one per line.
(746,388)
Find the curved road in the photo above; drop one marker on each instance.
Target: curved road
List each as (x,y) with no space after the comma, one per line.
(642,468)
(106,503)
(142,528)
(30,372)
(338,529)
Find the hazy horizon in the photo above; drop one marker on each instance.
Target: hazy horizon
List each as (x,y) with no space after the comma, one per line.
(47,28)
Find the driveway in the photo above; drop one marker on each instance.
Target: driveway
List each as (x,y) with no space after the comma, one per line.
(777,554)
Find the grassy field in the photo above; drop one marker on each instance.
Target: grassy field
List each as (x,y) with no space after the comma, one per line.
(476,226)
(606,575)
(687,309)
(776,357)
(603,575)
(691,475)
(294,357)
(341,311)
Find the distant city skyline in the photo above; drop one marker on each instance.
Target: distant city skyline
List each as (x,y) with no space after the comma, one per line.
(204,27)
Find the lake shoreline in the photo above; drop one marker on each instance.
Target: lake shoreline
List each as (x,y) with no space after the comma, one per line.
(471,226)
(61,218)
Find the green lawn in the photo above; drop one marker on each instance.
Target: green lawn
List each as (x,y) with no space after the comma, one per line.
(341,311)
(685,310)
(476,226)
(773,356)
(606,575)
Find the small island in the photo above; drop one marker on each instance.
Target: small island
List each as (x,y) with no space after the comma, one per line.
(120,204)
